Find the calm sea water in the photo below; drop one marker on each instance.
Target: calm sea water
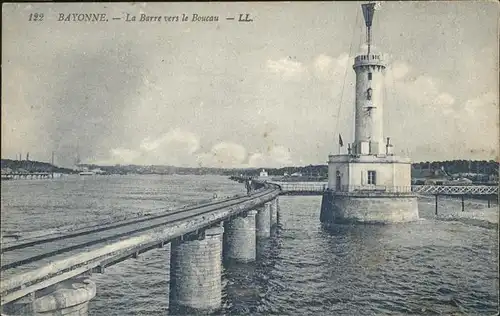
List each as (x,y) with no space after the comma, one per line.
(428,267)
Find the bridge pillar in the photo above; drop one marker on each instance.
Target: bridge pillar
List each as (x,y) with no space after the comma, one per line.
(240,239)
(278,210)
(263,221)
(195,272)
(274,212)
(70,298)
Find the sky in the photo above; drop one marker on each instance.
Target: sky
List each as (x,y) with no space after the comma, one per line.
(273,92)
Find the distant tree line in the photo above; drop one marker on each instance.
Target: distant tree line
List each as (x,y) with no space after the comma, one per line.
(308,171)
(461,166)
(158,169)
(450,166)
(315,171)
(19,166)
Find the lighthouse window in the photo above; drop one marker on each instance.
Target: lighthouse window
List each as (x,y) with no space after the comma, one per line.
(369,94)
(369,76)
(372,177)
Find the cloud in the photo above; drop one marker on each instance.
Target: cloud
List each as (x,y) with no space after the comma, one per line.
(182,148)
(278,156)
(485,105)
(123,156)
(479,122)
(175,138)
(322,62)
(176,147)
(399,70)
(445,127)
(470,132)
(444,102)
(286,67)
(323,67)
(328,68)
(421,92)
(223,154)
(419,96)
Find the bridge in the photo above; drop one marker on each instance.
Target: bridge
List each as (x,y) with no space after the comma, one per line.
(317,188)
(49,275)
(31,175)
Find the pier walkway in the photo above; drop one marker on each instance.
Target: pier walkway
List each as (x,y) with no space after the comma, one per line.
(32,175)
(36,272)
(317,188)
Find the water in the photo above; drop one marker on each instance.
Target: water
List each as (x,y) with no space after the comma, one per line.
(428,267)
(33,205)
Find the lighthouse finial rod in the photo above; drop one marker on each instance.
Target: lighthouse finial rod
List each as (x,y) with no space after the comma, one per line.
(368,12)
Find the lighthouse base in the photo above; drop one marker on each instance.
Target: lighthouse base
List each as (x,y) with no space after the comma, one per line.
(376,208)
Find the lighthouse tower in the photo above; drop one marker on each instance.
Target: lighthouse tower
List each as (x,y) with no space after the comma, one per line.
(369,183)
(370,71)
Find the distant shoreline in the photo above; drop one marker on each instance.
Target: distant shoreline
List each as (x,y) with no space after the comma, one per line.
(478,171)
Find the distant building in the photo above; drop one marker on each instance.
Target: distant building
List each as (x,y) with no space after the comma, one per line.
(97,171)
(263,175)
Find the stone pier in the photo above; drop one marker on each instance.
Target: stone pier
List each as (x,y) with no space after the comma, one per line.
(373,207)
(274,213)
(278,209)
(70,298)
(263,221)
(239,238)
(195,272)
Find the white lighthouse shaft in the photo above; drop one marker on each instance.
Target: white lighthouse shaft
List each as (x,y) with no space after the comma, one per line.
(369,133)
(369,68)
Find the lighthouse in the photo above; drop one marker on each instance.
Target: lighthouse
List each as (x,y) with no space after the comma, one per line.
(369,183)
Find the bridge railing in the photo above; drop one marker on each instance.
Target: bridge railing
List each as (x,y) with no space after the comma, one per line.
(319,187)
(374,189)
(305,187)
(455,189)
